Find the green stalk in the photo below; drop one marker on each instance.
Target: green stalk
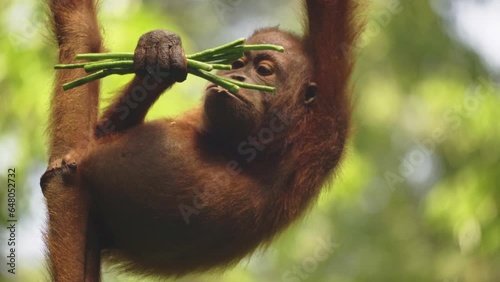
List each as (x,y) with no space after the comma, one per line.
(104,56)
(235,51)
(227,59)
(85,79)
(221,66)
(261,47)
(199,65)
(222,81)
(217,49)
(221,56)
(109,65)
(70,66)
(215,79)
(95,76)
(250,86)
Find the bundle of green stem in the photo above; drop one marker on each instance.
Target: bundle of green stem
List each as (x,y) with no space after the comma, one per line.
(199,64)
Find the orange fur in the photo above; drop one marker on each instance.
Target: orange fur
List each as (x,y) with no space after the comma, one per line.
(178,196)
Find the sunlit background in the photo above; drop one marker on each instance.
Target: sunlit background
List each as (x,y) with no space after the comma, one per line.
(418,195)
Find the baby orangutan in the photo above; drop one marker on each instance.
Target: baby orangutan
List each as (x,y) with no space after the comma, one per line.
(200,191)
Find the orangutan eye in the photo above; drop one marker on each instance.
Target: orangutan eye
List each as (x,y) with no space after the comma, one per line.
(265,69)
(238,64)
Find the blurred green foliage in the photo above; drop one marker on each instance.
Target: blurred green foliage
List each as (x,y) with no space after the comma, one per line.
(417,197)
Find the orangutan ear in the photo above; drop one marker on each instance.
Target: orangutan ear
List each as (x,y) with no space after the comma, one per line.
(310,95)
